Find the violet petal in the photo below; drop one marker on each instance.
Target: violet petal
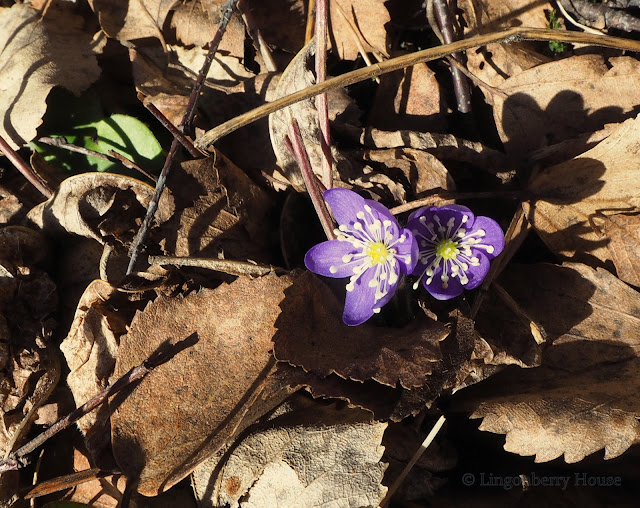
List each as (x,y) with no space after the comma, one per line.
(407,250)
(322,257)
(454,287)
(493,235)
(344,204)
(359,303)
(476,274)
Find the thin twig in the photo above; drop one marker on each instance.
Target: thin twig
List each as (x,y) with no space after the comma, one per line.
(311,12)
(322,12)
(61,142)
(25,169)
(256,36)
(515,34)
(17,459)
(439,195)
(423,447)
(225,16)
(241,268)
(129,164)
(571,20)
(356,38)
(516,234)
(460,85)
(296,145)
(175,132)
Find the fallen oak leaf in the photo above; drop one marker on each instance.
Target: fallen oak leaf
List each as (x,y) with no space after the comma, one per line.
(564,99)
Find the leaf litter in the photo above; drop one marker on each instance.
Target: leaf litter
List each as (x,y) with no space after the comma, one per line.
(264,397)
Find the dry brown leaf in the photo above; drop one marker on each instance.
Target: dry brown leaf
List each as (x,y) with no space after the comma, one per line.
(587,316)
(623,231)
(97,206)
(133,19)
(562,100)
(421,170)
(222,212)
(311,335)
(410,99)
(496,62)
(548,414)
(568,194)
(37,54)
(305,454)
(225,71)
(90,350)
(583,397)
(364,19)
(442,146)
(196,21)
(188,408)
(29,363)
(297,76)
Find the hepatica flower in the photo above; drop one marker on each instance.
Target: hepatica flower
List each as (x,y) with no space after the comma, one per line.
(455,248)
(370,249)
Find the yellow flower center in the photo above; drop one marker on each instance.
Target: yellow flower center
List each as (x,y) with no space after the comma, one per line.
(377,252)
(447,248)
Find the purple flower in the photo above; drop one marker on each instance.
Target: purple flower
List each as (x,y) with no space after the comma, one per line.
(370,249)
(455,248)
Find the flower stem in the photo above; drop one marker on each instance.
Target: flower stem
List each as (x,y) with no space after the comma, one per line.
(296,145)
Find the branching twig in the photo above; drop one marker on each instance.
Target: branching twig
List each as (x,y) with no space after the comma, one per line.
(225,16)
(515,34)
(296,145)
(25,169)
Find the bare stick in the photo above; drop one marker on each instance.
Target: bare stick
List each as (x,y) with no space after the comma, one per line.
(423,447)
(322,12)
(175,132)
(219,265)
(25,169)
(515,34)
(256,35)
(141,236)
(296,145)
(439,195)
(460,85)
(17,459)
(311,12)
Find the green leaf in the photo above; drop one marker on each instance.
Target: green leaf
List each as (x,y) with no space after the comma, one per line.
(82,122)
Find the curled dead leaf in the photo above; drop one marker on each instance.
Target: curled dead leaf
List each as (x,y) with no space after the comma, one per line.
(37,54)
